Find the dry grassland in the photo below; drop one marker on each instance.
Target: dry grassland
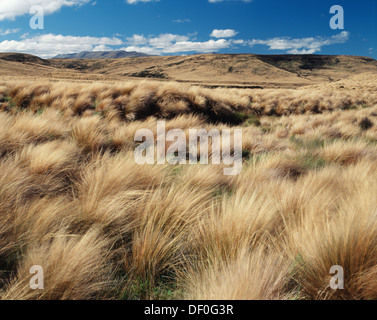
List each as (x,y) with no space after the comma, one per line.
(73,200)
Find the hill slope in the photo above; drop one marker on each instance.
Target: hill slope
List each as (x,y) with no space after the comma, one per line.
(211,70)
(224,69)
(23,58)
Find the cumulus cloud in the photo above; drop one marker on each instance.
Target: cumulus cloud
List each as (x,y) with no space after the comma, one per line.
(49,45)
(166,40)
(10,9)
(137,40)
(302,46)
(227,33)
(184,46)
(198,46)
(173,43)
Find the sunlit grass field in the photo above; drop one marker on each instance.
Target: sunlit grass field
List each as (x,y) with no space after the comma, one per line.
(73,199)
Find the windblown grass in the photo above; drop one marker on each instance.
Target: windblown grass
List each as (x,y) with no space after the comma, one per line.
(73,200)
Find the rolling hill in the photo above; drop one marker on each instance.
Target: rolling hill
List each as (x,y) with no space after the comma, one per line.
(210,70)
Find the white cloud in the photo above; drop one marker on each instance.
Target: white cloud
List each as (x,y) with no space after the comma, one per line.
(227,33)
(137,40)
(239,41)
(206,46)
(49,45)
(142,49)
(101,47)
(8,31)
(166,40)
(197,46)
(173,43)
(10,9)
(183,46)
(181,20)
(302,46)
(137,1)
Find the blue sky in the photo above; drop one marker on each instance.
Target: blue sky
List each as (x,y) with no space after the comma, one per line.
(175,27)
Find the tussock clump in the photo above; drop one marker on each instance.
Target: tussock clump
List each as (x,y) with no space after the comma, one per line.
(345,238)
(250,276)
(74,268)
(138,101)
(49,157)
(163,226)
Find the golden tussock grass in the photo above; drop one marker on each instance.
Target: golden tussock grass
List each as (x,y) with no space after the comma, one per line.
(73,200)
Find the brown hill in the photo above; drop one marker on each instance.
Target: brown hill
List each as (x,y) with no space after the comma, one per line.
(22,57)
(240,70)
(211,70)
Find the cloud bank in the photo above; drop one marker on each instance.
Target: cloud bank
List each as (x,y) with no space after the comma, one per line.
(302,46)
(49,45)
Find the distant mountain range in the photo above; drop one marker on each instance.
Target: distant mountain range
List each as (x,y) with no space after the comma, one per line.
(101,55)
